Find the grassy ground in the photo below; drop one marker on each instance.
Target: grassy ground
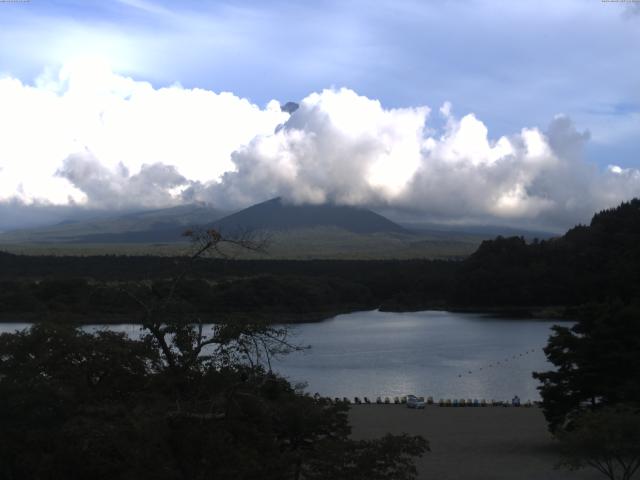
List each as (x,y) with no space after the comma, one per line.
(87,249)
(491,443)
(321,243)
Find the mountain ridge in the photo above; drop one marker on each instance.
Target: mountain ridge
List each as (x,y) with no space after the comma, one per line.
(146,225)
(277,215)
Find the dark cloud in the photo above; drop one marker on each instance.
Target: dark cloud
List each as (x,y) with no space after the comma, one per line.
(105,188)
(16,214)
(289,107)
(632,9)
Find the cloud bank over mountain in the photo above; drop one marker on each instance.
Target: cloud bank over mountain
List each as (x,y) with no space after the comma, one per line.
(84,114)
(86,138)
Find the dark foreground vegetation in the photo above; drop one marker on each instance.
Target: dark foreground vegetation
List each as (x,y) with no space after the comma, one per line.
(185,402)
(591,399)
(592,263)
(79,406)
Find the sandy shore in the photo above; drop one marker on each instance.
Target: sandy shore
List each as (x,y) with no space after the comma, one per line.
(491,443)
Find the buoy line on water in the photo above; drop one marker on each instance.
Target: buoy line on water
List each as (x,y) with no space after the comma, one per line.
(499,363)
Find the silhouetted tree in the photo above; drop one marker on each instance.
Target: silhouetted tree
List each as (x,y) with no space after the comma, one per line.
(182,402)
(607,440)
(597,363)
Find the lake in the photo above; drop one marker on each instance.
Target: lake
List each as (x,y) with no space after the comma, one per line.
(442,354)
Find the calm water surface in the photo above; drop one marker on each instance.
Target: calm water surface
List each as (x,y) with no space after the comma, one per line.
(434,353)
(443,354)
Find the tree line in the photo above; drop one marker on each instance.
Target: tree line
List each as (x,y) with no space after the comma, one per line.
(184,402)
(591,399)
(591,263)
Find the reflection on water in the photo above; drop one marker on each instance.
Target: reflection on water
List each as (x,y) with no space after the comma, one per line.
(443,354)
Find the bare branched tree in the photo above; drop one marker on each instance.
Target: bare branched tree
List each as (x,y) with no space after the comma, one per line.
(182,336)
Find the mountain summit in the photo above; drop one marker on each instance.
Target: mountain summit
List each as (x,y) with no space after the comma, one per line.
(276,215)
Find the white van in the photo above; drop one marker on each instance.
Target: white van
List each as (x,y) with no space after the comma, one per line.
(415,402)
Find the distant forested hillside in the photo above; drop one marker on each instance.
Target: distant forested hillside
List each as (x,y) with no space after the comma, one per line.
(91,286)
(591,263)
(588,264)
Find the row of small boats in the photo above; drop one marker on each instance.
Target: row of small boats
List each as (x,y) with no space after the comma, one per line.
(448,402)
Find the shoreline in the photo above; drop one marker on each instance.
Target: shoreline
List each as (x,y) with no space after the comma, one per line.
(562,313)
(558,313)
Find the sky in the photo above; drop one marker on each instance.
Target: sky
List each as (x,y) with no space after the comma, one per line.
(449,111)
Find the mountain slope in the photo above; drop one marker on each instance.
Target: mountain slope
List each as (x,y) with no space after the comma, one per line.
(300,232)
(275,215)
(162,225)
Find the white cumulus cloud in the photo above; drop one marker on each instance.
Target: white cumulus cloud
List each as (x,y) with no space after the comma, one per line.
(86,107)
(344,148)
(87,137)
(337,147)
